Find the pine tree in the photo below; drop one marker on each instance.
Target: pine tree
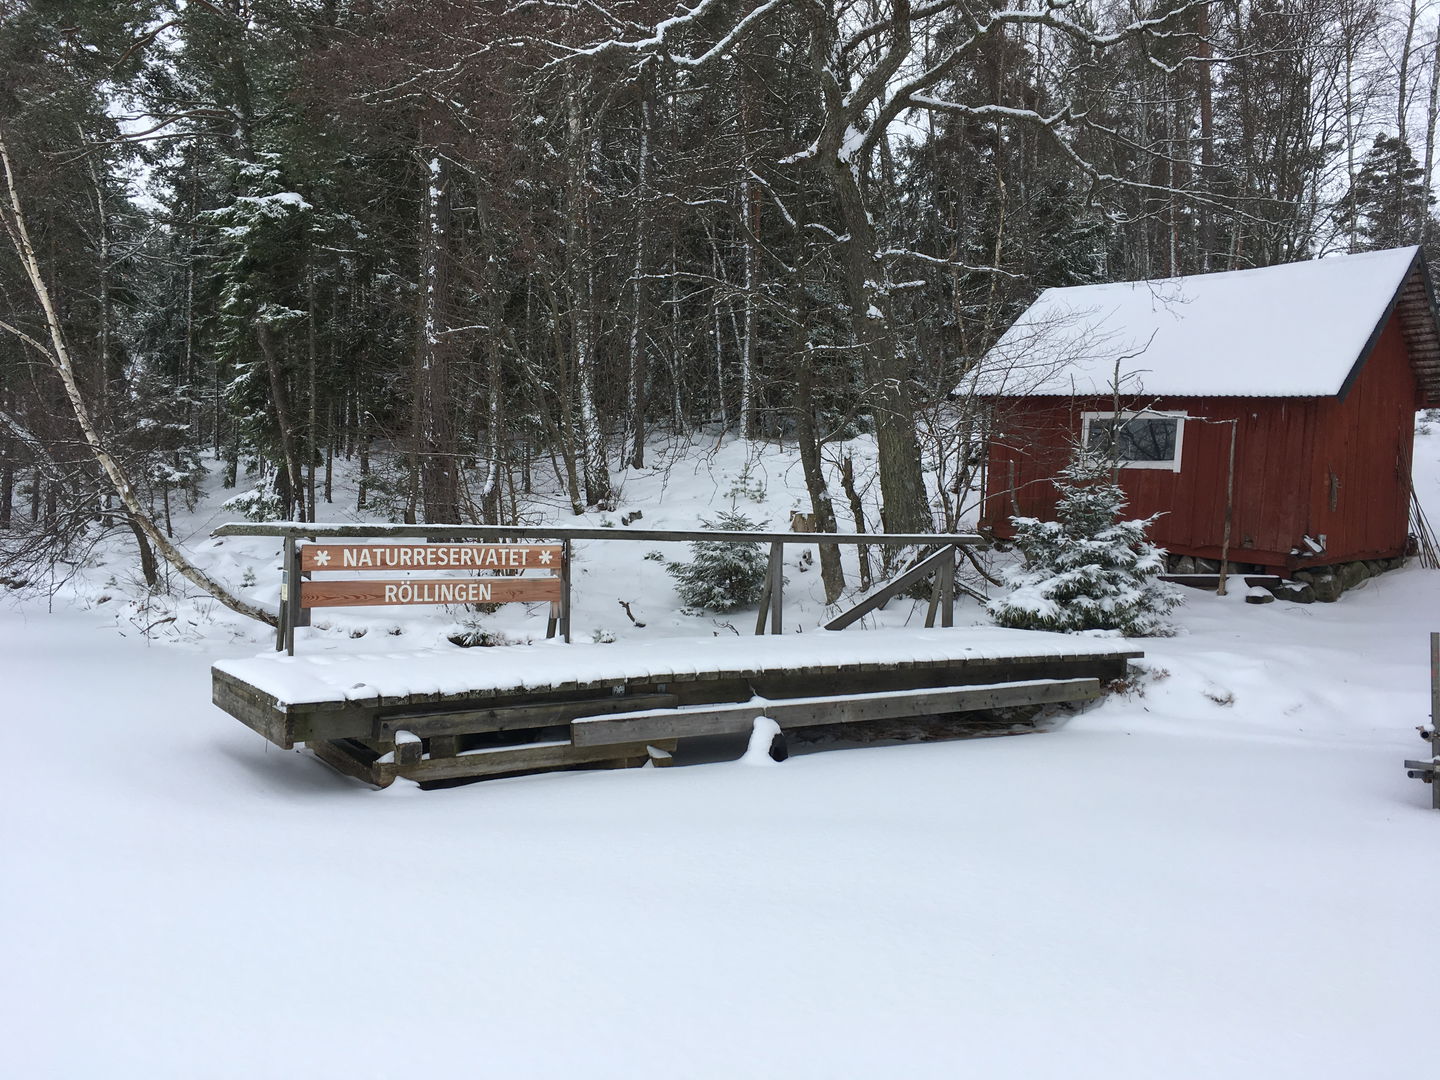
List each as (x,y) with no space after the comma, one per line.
(1088,570)
(724,576)
(1388,199)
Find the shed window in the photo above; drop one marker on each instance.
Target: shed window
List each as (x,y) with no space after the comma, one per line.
(1138,440)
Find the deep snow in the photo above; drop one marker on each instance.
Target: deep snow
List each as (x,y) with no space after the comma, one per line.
(1224,873)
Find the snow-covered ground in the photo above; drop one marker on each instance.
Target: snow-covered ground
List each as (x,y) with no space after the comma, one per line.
(1224,873)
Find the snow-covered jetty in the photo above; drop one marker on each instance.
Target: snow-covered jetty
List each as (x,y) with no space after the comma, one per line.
(445,714)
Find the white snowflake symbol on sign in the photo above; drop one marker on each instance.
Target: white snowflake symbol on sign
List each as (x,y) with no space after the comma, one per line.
(545,558)
(322,558)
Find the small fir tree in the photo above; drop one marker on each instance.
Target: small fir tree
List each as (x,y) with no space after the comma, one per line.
(722,576)
(1088,570)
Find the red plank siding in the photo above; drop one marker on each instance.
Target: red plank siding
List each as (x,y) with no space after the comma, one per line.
(1286,449)
(1366,441)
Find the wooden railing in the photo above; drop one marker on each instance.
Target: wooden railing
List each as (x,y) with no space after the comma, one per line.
(938,563)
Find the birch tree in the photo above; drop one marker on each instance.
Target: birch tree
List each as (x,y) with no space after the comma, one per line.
(57,355)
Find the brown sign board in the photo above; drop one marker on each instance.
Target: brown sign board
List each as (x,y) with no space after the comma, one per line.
(430,557)
(484,590)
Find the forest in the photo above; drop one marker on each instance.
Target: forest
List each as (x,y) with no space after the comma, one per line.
(477,249)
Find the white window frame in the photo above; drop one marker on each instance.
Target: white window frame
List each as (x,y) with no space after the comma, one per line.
(1144,414)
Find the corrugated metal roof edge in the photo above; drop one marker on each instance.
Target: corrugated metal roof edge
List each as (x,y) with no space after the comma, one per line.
(1374,339)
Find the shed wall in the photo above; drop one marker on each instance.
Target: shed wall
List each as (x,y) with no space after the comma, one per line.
(1287,450)
(1366,442)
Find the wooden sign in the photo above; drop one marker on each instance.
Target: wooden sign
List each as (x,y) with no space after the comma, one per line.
(431,557)
(484,590)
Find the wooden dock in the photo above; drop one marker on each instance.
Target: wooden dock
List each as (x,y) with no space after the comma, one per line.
(442,715)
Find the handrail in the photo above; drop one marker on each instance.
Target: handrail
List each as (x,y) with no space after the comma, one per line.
(940,562)
(322,530)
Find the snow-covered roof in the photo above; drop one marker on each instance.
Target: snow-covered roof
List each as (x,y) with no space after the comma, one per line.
(1296,330)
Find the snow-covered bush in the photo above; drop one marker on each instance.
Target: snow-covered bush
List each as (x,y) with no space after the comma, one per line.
(1088,570)
(258,504)
(723,576)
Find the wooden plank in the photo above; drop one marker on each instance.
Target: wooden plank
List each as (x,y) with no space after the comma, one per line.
(361,557)
(516,717)
(1435,681)
(777,584)
(566,573)
(292,595)
(934,605)
(343,760)
(924,568)
(947,590)
(302,613)
(829,709)
(710,686)
(487,590)
(443,746)
(1434,736)
(767,589)
(507,760)
(252,708)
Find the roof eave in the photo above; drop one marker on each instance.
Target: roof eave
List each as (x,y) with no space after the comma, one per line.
(1374,339)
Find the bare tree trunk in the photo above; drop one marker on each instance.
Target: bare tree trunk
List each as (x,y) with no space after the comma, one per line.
(904,507)
(677,406)
(590,442)
(832,573)
(1205,52)
(639,369)
(294,486)
(857,511)
(1350,48)
(1432,117)
(363,488)
(312,443)
(436,465)
(719,341)
(8,446)
(59,358)
(148,570)
(7,485)
(748,426)
(1402,100)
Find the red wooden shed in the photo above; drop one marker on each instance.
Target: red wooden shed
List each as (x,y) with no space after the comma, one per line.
(1315,369)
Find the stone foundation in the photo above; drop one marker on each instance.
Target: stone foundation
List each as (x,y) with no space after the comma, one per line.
(1324,584)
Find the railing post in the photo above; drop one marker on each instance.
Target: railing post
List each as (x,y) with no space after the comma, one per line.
(763,616)
(285,569)
(776,572)
(565,591)
(1435,681)
(942,592)
(292,594)
(947,595)
(1434,717)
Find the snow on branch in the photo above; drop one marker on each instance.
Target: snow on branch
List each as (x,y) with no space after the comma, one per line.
(908,93)
(31,442)
(952,264)
(658,39)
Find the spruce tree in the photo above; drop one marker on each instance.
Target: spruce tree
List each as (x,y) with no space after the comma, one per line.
(1088,570)
(724,576)
(1388,201)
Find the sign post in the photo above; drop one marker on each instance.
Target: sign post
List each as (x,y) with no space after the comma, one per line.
(1429,771)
